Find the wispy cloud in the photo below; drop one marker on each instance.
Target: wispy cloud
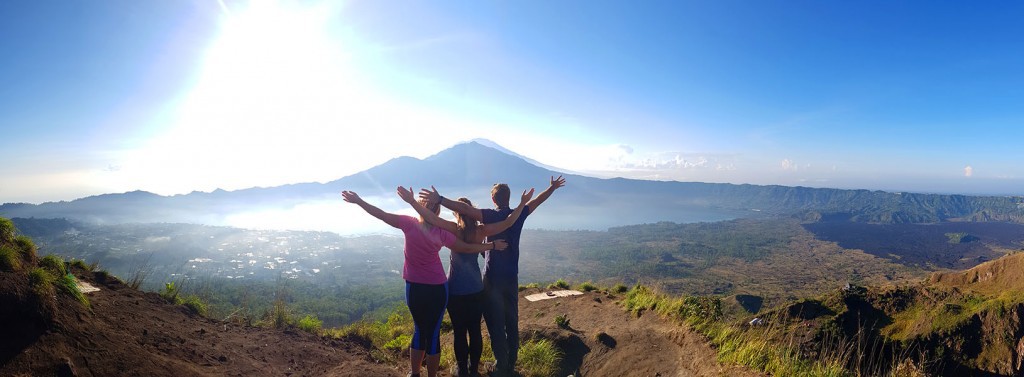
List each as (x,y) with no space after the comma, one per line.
(789,165)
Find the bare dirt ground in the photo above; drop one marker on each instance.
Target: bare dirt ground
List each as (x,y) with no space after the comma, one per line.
(629,346)
(133,333)
(127,332)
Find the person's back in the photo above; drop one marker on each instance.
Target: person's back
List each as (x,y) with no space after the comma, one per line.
(504,265)
(501,277)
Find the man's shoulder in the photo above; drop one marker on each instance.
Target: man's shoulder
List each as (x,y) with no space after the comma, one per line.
(496,215)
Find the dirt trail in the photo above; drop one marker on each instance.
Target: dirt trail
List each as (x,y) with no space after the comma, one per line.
(645,346)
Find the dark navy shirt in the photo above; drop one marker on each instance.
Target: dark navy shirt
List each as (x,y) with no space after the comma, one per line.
(464,274)
(503,265)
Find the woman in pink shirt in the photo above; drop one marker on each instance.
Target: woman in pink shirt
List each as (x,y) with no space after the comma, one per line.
(426,286)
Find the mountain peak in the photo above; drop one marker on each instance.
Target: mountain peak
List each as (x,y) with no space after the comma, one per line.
(487,143)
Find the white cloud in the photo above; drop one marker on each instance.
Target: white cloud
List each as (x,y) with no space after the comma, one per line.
(790,165)
(968,171)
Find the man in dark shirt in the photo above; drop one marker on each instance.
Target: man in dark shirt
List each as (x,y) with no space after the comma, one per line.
(501,268)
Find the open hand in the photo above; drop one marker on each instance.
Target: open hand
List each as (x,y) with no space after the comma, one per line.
(527,195)
(406,194)
(500,245)
(557,182)
(431,196)
(351,197)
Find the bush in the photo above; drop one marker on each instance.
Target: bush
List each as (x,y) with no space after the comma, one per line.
(559,284)
(27,247)
(53,264)
(196,304)
(310,323)
(170,293)
(9,259)
(587,287)
(399,343)
(7,230)
(620,288)
(539,358)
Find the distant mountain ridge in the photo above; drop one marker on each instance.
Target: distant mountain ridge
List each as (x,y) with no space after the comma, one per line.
(471,168)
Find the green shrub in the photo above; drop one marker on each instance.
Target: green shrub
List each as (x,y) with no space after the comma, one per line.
(41,281)
(9,259)
(7,230)
(639,299)
(399,343)
(562,321)
(620,288)
(27,247)
(559,284)
(170,293)
(539,358)
(196,304)
(383,334)
(53,264)
(587,287)
(310,323)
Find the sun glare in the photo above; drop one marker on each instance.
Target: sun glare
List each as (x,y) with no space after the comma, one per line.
(285,94)
(275,99)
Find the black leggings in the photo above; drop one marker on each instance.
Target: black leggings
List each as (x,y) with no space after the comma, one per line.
(426,303)
(465,312)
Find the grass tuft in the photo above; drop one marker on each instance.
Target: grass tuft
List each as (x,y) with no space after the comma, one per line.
(53,264)
(311,324)
(587,287)
(559,284)
(196,304)
(79,264)
(27,247)
(7,230)
(67,284)
(539,358)
(9,259)
(620,288)
(41,281)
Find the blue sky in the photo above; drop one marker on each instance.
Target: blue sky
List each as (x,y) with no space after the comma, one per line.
(176,96)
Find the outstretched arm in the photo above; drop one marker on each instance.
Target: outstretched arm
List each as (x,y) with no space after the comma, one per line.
(555,184)
(388,218)
(428,215)
(432,196)
(470,248)
(498,227)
